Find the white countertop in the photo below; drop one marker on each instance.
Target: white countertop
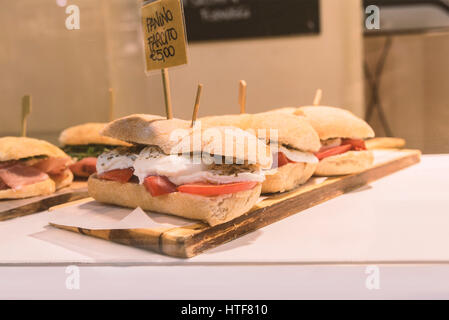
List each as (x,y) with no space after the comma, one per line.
(401,220)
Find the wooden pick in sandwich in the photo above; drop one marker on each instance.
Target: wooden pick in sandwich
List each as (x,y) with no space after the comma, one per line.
(26,110)
(167,94)
(111,104)
(199,91)
(317,99)
(242,96)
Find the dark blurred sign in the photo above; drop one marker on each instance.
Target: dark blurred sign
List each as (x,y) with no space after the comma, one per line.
(233,19)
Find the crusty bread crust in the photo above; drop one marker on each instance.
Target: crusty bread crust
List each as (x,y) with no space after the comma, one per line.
(145,129)
(241,121)
(212,210)
(176,136)
(291,130)
(42,188)
(288,110)
(15,148)
(345,163)
(331,122)
(88,133)
(64,180)
(288,177)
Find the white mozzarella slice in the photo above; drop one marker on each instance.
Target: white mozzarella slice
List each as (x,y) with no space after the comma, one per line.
(113,160)
(299,156)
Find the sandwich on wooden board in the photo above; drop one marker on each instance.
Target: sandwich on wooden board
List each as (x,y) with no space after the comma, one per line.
(211,174)
(292,140)
(342,134)
(31,167)
(84,144)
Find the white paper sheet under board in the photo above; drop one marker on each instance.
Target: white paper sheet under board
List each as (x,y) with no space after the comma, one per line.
(97,216)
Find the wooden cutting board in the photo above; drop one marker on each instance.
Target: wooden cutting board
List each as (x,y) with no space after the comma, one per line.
(10,209)
(191,240)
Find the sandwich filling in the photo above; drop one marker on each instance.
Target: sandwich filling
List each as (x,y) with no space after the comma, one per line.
(162,174)
(286,155)
(85,157)
(18,173)
(336,146)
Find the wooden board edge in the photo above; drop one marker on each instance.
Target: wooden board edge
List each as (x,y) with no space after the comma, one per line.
(173,242)
(209,238)
(43,204)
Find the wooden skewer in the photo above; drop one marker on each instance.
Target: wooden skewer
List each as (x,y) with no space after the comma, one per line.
(26,110)
(317,99)
(167,94)
(199,91)
(242,96)
(111,104)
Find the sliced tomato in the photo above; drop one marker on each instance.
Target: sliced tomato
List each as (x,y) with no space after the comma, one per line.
(205,189)
(158,185)
(282,159)
(357,144)
(119,175)
(85,167)
(333,151)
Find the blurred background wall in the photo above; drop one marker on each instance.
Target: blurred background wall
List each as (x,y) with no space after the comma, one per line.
(414,88)
(68,73)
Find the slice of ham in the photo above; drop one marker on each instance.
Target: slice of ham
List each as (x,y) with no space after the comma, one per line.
(85,167)
(7,164)
(52,166)
(3,186)
(19,175)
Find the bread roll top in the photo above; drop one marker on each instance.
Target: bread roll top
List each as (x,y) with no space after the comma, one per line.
(331,122)
(175,136)
(283,128)
(15,148)
(88,133)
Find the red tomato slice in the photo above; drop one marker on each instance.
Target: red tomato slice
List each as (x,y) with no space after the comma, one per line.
(282,159)
(357,144)
(158,186)
(333,151)
(119,175)
(204,189)
(85,167)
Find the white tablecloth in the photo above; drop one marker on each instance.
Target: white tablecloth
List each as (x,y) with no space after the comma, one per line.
(399,224)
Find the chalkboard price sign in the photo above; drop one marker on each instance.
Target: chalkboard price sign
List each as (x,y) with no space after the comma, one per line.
(233,19)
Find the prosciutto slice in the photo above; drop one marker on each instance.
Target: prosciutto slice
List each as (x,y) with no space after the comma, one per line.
(52,166)
(19,175)
(85,167)
(3,185)
(8,163)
